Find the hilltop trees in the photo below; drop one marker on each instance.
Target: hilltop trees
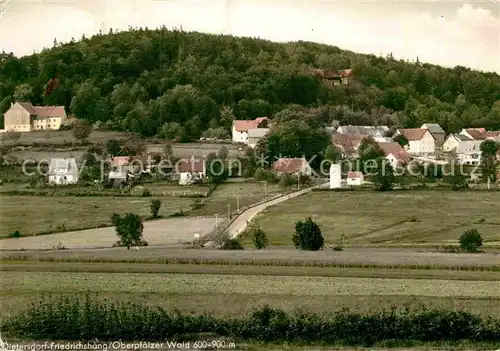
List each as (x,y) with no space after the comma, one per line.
(133,81)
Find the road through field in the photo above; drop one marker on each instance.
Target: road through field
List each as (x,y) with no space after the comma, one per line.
(160,232)
(240,223)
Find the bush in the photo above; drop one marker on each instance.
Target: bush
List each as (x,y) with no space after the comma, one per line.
(308,236)
(262,174)
(146,192)
(231,244)
(471,241)
(16,234)
(155,205)
(89,318)
(259,238)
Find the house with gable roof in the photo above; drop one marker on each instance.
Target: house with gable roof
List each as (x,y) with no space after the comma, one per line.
(24,117)
(437,132)
(420,141)
(293,166)
(241,127)
(453,140)
(395,154)
(63,171)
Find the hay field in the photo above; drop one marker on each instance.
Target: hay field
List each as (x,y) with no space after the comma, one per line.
(236,294)
(385,219)
(37,214)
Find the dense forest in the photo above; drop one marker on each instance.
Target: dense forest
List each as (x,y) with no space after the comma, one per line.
(178,84)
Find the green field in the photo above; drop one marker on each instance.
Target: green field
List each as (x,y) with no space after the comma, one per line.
(387,219)
(235,290)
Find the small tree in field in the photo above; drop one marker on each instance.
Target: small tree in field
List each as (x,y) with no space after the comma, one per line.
(471,241)
(128,228)
(82,129)
(308,236)
(259,238)
(384,178)
(155,207)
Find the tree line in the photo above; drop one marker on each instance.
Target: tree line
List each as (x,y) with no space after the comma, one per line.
(181,85)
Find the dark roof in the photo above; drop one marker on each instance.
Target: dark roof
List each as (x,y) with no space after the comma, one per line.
(190,165)
(433,128)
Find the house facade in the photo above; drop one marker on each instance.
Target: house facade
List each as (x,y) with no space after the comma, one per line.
(190,170)
(240,128)
(63,171)
(255,134)
(24,117)
(480,133)
(395,154)
(469,152)
(420,141)
(452,141)
(373,131)
(293,166)
(437,132)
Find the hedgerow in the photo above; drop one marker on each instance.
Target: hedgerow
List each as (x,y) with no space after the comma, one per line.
(74,318)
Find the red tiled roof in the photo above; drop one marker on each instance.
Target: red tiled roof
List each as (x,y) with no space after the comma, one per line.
(492,134)
(43,111)
(396,150)
(245,125)
(348,141)
(121,160)
(354,175)
(289,165)
(191,165)
(413,134)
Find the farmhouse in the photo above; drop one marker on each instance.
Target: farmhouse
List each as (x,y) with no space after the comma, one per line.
(190,170)
(294,166)
(63,171)
(129,164)
(241,127)
(375,132)
(480,133)
(420,141)
(436,131)
(395,154)
(355,178)
(255,134)
(24,117)
(348,143)
(453,140)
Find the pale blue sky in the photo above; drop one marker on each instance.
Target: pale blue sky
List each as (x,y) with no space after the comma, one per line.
(444,32)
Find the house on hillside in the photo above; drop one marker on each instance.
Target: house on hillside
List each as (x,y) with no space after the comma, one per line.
(480,133)
(240,128)
(255,134)
(63,171)
(420,141)
(293,166)
(24,117)
(348,143)
(373,131)
(469,152)
(355,178)
(343,77)
(129,164)
(190,170)
(453,140)
(437,132)
(395,154)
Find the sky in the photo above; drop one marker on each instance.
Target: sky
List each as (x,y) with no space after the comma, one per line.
(446,32)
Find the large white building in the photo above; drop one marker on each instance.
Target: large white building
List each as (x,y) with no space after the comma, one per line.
(24,117)
(241,127)
(420,141)
(469,152)
(63,171)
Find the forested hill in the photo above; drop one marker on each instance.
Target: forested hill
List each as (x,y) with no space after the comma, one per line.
(140,80)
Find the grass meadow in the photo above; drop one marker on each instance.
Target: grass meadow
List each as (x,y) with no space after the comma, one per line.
(387,219)
(231,291)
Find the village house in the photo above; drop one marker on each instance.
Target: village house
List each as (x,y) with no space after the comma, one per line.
(240,128)
(255,134)
(355,178)
(24,117)
(189,170)
(420,141)
(453,140)
(348,143)
(437,132)
(395,154)
(373,131)
(63,171)
(469,152)
(343,77)
(480,133)
(293,166)
(134,165)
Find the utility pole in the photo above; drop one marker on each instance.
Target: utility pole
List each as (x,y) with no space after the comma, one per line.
(238,203)
(298,181)
(229,211)
(265,188)
(216,221)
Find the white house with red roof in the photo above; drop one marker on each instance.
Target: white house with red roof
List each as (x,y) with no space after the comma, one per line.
(190,169)
(395,154)
(241,127)
(355,178)
(420,141)
(294,166)
(24,117)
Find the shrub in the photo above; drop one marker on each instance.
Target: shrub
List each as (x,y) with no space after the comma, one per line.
(262,174)
(338,248)
(155,205)
(197,204)
(146,192)
(231,244)
(308,236)
(259,238)
(129,228)
(471,241)
(15,234)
